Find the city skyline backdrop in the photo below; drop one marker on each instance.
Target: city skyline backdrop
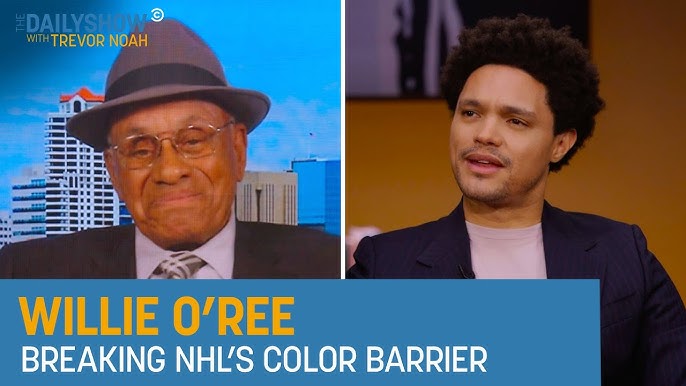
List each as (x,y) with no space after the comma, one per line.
(297,64)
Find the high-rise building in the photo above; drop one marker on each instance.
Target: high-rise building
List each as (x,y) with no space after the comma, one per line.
(268,197)
(78,194)
(5,228)
(319,194)
(28,205)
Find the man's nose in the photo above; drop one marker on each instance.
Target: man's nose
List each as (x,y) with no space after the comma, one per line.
(170,165)
(488,132)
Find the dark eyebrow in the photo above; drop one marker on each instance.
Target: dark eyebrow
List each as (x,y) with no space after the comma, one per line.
(528,114)
(134,131)
(464,103)
(504,110)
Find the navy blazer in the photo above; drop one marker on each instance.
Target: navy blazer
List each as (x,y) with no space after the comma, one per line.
(643,319)
(262,250)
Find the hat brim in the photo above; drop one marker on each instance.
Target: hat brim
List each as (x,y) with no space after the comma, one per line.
(92,126)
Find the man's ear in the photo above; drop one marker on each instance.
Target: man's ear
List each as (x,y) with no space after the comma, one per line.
(561,145)
(239,137)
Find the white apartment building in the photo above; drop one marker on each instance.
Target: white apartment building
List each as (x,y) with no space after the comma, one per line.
(268,197)
(78,192)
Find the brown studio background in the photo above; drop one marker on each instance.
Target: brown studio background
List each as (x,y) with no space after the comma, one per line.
(397,163)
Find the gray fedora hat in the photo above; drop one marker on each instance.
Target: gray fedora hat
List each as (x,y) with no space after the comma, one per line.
(176,63)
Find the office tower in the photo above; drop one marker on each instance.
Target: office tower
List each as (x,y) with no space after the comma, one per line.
(28,205)
(319,194)
(5,228)
(268,197)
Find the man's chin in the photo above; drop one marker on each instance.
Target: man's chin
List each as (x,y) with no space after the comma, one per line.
(486,195)
(178,217)
(177,235)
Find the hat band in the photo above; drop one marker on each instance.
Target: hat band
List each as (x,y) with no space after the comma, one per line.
(159,75)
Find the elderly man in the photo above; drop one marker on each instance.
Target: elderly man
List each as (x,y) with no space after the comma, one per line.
(524,97)
(174,136)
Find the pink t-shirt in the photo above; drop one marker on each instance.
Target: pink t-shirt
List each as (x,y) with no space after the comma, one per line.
(507,253)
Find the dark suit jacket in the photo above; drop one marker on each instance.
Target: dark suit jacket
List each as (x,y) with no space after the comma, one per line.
(262,251)
(643,320)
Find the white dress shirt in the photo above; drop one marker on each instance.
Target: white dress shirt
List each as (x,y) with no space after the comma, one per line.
(218,252)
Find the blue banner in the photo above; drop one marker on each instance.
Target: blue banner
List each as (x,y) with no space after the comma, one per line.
(300,332)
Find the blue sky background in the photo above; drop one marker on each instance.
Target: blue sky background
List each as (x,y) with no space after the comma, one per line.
(288,50)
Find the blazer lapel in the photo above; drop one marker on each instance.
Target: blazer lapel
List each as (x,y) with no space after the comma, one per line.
(448,254)
(126,254)
(118,259)
(566,249)
(254,256)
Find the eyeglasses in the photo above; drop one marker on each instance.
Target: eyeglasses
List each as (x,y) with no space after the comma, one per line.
(195,141)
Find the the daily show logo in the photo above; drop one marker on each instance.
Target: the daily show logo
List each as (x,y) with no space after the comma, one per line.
(86,30)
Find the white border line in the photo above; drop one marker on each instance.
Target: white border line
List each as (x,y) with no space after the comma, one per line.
(343,225)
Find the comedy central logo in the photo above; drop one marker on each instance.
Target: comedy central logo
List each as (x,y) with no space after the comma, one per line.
(86,30)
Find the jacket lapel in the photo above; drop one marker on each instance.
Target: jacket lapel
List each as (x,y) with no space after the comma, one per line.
(255,256)
(448,254)
(126,254)
(566,249)
(118,258)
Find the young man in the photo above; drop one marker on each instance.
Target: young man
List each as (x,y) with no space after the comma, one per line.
(524,97)
(174,134)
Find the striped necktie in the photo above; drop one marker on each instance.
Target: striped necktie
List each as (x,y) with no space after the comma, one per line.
(180,265)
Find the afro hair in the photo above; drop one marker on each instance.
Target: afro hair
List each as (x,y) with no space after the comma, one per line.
(549,55)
